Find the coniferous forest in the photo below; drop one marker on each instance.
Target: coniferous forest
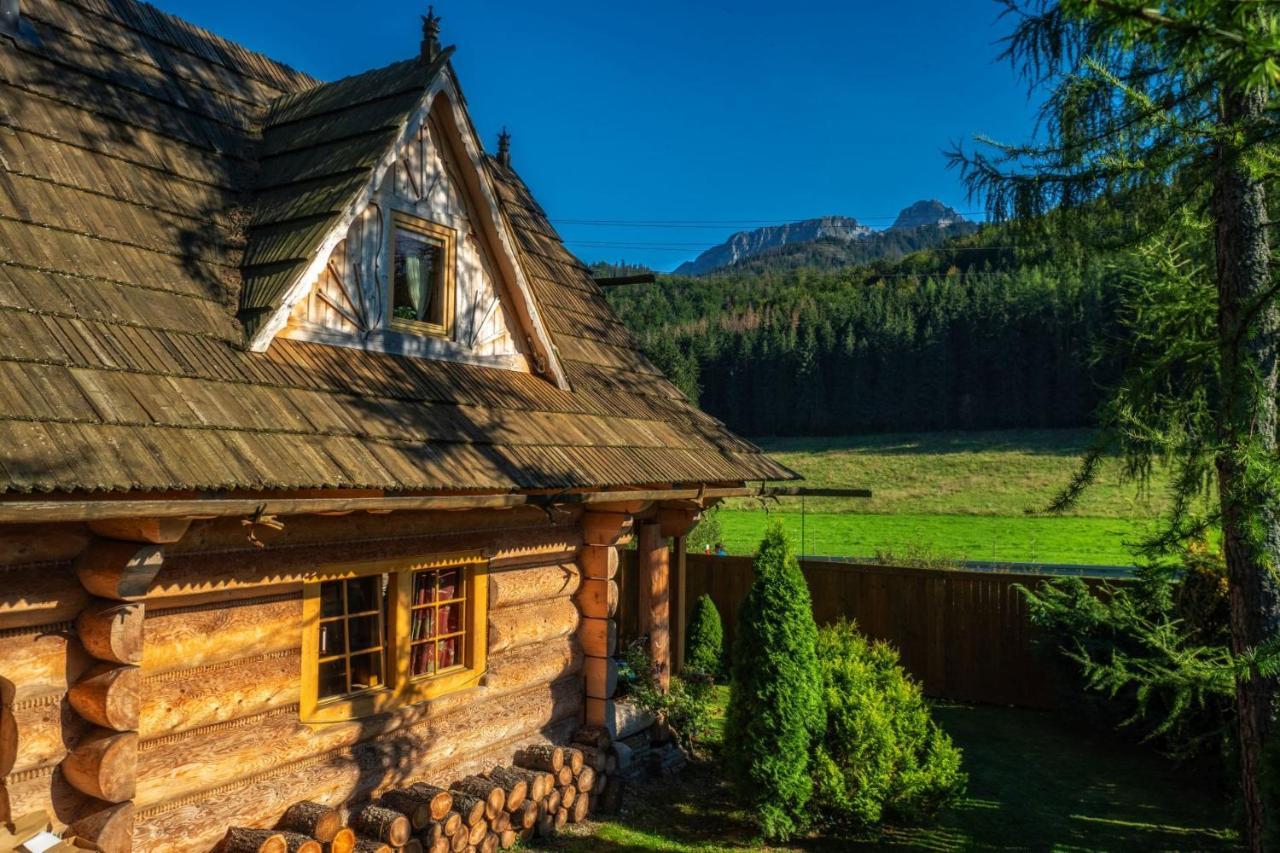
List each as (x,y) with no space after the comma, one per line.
(972,335)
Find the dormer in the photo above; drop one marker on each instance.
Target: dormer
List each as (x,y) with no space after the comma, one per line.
(377,226)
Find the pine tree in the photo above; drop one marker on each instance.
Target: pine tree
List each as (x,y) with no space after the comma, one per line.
(775,711)
(1146,101)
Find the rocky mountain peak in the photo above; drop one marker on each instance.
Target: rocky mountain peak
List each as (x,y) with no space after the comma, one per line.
(930,212)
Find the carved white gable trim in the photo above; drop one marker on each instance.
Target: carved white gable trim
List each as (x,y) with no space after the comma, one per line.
(350,280)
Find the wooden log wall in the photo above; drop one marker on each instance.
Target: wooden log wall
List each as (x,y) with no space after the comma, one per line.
(597,600)
(213,739)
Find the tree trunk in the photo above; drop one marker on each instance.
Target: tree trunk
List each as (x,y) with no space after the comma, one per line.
(1249,337)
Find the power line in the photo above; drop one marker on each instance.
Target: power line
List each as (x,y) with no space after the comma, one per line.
(719,223)
(682,247)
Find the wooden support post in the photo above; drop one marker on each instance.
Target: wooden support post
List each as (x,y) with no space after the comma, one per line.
(653,562)
(677,521)
(597,599)
(679,603)
(116,568)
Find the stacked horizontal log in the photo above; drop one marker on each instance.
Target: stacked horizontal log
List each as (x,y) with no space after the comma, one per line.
(544,788)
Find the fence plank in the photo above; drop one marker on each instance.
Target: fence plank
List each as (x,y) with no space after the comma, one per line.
(964,634)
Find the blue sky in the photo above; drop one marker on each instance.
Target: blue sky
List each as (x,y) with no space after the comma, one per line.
(717,114)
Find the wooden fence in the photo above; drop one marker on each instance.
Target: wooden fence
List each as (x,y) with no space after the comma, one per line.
(964,634)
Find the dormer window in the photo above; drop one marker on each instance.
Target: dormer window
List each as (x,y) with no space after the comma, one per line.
(422,279)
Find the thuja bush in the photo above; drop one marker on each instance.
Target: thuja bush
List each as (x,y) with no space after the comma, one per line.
(882,755)
(705,650)
(775,713)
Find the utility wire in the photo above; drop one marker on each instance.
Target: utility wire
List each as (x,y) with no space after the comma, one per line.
(721,223)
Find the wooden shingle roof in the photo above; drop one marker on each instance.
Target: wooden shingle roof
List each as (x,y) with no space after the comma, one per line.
(155,181)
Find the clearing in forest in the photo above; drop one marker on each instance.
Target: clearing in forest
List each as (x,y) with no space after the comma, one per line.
(953,496)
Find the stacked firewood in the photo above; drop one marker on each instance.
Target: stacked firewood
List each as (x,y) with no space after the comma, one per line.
(545,788)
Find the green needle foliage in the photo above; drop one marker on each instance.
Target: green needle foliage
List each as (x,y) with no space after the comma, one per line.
(883,755)
(705,650)
(1158,649)
(775,713)
(1168,111)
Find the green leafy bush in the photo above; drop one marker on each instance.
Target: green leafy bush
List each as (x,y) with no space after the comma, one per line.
(705,651)
(775,713)
(706,534)
(1156,650)
(686,708)
(882,755)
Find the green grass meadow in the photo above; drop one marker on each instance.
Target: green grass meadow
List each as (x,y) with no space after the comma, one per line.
(952,496)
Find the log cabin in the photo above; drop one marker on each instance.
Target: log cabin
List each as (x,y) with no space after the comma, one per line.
(318,445)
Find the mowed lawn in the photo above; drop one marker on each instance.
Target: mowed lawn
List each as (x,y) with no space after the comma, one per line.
(953,495)
(1034,784)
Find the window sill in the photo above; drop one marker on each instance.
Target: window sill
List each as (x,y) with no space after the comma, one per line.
(420,328)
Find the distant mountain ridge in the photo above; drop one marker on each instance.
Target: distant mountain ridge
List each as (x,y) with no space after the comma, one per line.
(937,220)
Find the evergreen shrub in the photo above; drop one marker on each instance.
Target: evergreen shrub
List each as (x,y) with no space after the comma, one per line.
(882,755)
(775,713)
(705,650)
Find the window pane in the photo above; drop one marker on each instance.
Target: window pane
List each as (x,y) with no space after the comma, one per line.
(420,623)
(450,584)
(364,594)
(363,632)
(449,618)
(449,653)
(332,641)
(421,660)
(419,268)
(366,671)
(333,679)
(423,587)
(331,598)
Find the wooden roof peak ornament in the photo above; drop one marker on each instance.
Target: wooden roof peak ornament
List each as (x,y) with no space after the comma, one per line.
(430,35)
(504,148)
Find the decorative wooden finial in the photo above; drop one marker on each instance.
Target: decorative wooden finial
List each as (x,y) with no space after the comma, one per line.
(430,35)
(504,148)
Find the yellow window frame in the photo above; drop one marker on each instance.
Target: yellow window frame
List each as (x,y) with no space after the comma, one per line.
(400,688)
(449,238)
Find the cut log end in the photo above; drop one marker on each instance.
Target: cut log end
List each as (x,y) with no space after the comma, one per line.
(314,819)
(110,828)
(417,810)
(254,841)
(382,824)
(296,842)
(439,800)
(541,757)
(109,695)
(343,841)
(103,765)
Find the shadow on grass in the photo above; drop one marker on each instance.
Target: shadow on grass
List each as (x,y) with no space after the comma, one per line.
(1034,785)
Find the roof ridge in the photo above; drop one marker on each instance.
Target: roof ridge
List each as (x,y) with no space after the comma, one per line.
(288,99)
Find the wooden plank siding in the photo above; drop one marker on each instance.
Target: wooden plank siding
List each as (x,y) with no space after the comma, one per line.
(965,635)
